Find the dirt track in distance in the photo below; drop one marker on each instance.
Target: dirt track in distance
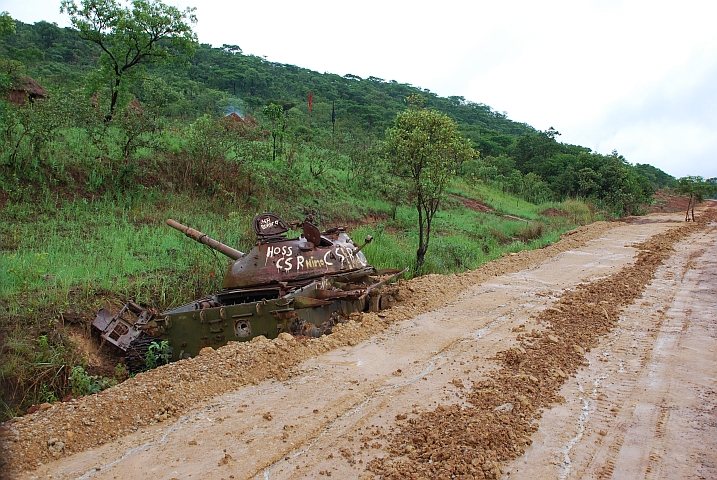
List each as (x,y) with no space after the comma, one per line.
(588,359)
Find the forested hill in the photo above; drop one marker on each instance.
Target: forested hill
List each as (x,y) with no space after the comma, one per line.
(350,114)
(219,79)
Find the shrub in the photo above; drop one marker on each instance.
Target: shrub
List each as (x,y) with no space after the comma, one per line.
(157,354)
(84,384)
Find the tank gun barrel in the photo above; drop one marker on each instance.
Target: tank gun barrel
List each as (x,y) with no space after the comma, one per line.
(203,238)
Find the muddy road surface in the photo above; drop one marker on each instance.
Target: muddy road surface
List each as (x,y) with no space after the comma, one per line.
(591,358)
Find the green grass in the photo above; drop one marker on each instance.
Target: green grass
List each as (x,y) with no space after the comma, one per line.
(99,244)
(577,212)
(461,239)
(102,245)
(67,252)
(503,203)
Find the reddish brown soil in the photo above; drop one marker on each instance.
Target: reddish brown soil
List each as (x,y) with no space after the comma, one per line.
(472,204)
(465,376)
(554,212)
(667,203)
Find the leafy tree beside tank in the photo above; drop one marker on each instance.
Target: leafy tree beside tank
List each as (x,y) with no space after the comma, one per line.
(422,149)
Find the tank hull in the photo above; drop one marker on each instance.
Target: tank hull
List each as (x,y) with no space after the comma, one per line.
(310,311)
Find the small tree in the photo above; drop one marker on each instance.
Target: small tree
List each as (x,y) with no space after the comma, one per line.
(26,134)
(9,69)
(7,24)
(133,125)
(207,144)
(696,189)
(278,115)
(148,32)
(423,148)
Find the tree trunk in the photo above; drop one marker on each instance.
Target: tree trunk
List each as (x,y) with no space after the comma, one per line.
(421,252)
(420,259)
(115,97)
(687,213)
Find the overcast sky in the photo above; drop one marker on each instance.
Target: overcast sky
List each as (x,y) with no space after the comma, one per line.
(636,76)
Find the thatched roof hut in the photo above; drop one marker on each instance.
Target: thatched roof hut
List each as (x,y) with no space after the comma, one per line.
(134,108)
(26,89)
(247,126)
(246,119)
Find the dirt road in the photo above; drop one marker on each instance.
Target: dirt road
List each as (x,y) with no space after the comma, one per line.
(593,359)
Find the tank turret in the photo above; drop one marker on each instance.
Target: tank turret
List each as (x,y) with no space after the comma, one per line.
(278,259)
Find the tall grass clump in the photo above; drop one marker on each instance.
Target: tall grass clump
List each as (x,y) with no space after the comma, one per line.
(580,212)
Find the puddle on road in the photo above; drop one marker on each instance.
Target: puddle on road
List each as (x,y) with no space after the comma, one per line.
(349,363)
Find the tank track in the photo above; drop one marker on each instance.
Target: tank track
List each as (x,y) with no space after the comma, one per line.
(137,352)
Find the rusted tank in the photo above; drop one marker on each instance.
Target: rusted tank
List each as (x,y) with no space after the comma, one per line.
(303,286)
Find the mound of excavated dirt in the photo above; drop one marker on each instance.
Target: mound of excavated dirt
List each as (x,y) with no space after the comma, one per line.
(159,395)
(473,441)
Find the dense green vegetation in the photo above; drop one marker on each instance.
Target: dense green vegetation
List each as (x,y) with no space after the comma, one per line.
(89,174)
(349,116)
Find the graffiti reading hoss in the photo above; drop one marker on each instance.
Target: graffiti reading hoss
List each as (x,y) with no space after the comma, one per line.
(286,260)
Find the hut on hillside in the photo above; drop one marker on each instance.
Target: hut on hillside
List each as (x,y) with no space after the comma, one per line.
(246,119)
(134,108)
(24,90)
(247,126)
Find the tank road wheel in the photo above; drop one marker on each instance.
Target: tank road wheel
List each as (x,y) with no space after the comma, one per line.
(374,303)
(136,358)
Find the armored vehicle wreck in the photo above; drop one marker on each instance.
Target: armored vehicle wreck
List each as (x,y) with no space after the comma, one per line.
(303,286)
